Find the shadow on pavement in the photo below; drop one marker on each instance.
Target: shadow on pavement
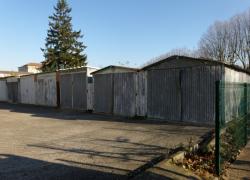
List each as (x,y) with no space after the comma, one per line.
(126,151)
(241,162)
(22,168)
(96,148)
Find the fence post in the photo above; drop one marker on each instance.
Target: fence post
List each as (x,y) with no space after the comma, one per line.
(217,128)
(246,113)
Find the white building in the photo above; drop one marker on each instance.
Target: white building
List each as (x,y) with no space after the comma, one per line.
(11,73)
(30,68)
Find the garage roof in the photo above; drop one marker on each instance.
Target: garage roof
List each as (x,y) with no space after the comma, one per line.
(203,61)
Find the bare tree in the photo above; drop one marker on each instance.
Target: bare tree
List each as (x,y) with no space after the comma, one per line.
(246,37)
(214,43)
(228,41)
(233,39)
(225,41)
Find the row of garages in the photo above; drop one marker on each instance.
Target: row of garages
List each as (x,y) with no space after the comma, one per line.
(178,89)
(32,89)
(68,89)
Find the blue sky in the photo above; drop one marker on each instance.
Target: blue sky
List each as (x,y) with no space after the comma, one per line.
(114,30)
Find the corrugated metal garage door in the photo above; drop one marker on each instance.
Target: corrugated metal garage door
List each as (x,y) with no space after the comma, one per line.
(141,98)
(164,95)
(79,91)
(28,89)
(66,91)
(73,91)
(185,94)
(3,90)
(125,94)
(46,90)
(198,93)
(103,93)
(13,92)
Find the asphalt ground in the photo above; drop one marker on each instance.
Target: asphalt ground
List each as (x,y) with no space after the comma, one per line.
(46,143)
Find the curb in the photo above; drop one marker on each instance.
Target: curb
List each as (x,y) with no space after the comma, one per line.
(180,155)
(153,162)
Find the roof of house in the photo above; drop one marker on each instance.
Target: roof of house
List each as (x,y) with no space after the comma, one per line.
(201,60)
(115,67)
(14,73)
(33,64)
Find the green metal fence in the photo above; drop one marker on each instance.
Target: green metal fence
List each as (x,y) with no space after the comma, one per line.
(232,128)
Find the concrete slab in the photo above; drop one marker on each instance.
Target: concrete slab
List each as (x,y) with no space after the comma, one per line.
(167,170)
(44,143)
(240,169)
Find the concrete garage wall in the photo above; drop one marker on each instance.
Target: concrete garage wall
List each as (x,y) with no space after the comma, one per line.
(13,89)
(28,89)
(232,94)
(90,88)
(46,89)
(3,90)
(232,75)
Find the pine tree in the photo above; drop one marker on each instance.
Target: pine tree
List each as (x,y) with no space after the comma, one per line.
(62,48)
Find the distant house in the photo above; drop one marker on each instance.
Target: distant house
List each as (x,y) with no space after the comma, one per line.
(30,68)
(5,74)
(11,73)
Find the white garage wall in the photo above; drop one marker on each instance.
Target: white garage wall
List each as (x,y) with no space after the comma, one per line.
(3,90)
(232,75)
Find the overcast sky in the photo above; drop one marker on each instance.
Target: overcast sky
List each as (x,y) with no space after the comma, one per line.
(114,30)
